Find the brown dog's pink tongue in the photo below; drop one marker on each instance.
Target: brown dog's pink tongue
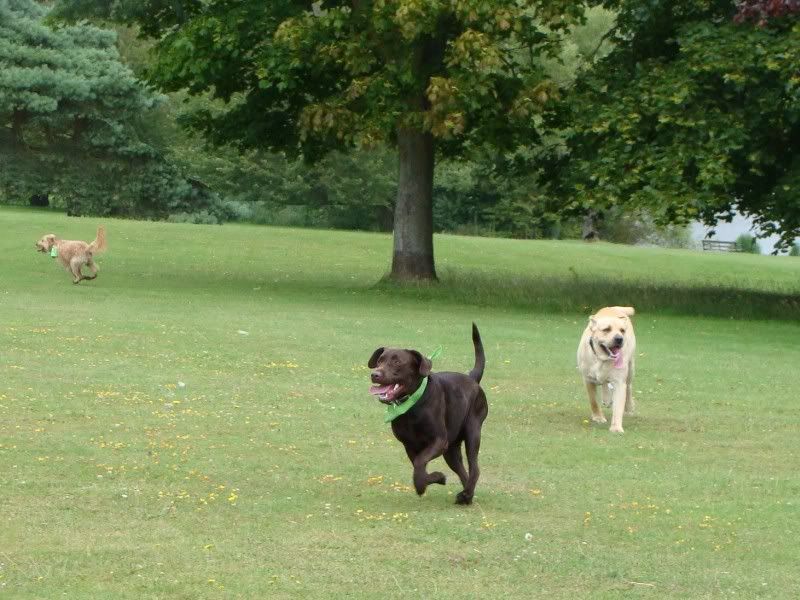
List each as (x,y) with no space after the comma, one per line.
(377,390)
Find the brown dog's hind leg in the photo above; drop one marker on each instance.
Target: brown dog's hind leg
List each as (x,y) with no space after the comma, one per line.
(455,461)
(472,444)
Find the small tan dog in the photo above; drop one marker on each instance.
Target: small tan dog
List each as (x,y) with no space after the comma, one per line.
(605,358)
(73,254)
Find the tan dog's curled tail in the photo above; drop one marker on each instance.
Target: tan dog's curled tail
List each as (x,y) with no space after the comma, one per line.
(99,243)
(626,310)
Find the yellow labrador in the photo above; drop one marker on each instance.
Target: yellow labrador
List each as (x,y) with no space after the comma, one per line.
(605,359)
(74,254)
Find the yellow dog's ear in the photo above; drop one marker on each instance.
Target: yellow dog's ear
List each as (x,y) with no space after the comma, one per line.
(592,321)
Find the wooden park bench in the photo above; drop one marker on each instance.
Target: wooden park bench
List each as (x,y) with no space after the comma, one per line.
(717,246)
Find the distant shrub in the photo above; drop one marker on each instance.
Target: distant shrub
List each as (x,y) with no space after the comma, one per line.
(235,210)
(795,250)
(262,213)
(639,228)
(291,215)
(474,230)
(747,243)
(294,216)
(202,217)
(217,211)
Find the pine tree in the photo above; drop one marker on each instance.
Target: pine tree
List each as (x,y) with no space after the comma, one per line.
(68,107)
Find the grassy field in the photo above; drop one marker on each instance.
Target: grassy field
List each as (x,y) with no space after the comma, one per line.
(195,423)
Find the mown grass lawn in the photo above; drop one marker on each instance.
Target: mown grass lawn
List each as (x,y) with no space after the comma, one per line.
(269,473)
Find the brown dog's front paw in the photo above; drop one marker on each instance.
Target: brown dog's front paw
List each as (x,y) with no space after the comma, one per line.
(463,498)
(420,483)
(423,480)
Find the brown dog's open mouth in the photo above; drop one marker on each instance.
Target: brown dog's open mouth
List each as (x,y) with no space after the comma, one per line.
(388,394)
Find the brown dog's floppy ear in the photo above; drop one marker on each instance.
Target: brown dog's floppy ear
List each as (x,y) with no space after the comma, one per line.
(373,360)
(424,363)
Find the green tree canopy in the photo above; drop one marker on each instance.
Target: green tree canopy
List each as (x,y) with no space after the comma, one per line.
(694,114)
(433,77)
(69,111)
(62,80)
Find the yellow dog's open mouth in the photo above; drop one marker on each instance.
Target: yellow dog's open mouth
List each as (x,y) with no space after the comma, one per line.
(614,353)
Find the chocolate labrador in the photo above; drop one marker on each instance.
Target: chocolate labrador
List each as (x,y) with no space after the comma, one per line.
(450,410)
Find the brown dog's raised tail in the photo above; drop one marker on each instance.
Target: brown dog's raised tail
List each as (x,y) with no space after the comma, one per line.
(480,358)
(99,243)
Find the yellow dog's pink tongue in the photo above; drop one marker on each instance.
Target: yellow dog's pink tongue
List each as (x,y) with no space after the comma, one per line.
(618,359)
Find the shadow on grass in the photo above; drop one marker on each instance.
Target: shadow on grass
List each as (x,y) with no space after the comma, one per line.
(584,295)
(567,294)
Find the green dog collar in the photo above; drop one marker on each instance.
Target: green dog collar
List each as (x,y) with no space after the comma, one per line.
(395,410)
(54,251)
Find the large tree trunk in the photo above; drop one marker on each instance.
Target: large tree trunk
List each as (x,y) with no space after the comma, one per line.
(413,213)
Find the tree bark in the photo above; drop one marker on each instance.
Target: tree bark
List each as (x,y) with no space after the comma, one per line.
(412,259)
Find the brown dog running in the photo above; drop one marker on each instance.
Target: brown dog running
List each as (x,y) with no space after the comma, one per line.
(451,410)
(73,254)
